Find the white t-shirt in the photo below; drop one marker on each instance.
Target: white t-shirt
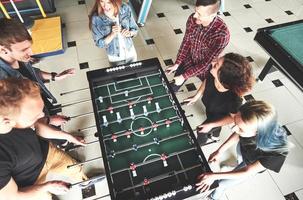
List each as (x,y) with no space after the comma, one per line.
(123,52)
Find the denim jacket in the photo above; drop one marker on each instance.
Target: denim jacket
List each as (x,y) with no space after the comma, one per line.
(102,27)
(7,71)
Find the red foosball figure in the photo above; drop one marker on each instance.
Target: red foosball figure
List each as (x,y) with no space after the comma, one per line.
(149,99)
(141,130)
(128,134)
(130,104)
(114,138)
(146,181)
(168,122)
(110,109)
(155,126)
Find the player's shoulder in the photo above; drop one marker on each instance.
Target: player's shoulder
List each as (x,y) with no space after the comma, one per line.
(220,22)
(124,8)
(99,19)
(220,26)
(190,21)
(191,18)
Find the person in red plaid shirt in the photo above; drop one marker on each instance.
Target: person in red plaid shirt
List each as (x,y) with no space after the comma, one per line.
(205,38)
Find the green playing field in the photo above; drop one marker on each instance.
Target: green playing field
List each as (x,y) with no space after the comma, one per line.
(147,145)
(173,137)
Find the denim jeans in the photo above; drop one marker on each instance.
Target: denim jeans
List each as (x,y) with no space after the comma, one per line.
(225,184)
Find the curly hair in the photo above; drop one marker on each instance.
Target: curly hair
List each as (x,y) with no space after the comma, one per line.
(12,31)
(236,74)
(12,93)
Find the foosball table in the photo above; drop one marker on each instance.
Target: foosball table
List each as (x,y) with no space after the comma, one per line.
(148,147)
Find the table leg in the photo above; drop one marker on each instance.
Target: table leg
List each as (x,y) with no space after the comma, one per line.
(270,63)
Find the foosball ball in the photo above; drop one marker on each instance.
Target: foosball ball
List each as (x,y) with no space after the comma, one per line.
(148,147)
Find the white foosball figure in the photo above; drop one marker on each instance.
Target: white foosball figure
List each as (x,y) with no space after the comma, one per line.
(119,119)
(105,122)
(145,110)
(132,114)
(158,109)
(126,93)
(100,99)
(133,168)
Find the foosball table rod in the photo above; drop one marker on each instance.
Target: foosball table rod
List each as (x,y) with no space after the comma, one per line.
(84,162)
(72,91)
(89,182)
(79,146)
(107,195)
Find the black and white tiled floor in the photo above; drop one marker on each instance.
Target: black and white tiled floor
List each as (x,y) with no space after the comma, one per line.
(161,37)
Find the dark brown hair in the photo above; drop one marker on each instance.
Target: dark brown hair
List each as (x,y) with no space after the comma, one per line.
(208,2)
(97,10)
(12,31)
(236,74)
(12,93)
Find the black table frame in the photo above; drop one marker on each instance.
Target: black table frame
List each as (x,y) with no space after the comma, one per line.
(279,57)
(101,75)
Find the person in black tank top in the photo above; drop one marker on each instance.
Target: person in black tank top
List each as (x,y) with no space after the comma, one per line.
(262,145)
(230,78)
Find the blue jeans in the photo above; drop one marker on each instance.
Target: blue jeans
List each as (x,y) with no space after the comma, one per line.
(225,184)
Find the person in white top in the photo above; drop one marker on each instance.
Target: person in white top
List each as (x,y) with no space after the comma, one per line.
(113,27)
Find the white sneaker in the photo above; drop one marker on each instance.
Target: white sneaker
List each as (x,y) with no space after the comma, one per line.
(214,138)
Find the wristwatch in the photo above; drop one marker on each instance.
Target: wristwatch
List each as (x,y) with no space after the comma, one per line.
(53,75)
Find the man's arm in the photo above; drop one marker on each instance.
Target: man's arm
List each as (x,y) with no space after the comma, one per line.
(47,76)
(45,131)
(35,192)
(185,45)
(217,46)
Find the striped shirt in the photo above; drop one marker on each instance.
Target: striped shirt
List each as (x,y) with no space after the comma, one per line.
(201,45)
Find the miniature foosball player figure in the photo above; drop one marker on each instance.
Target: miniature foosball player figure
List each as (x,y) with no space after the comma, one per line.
(145,111)
(149,99)
(164,158)
(133,169)
(119,119)
(114,138)
(110,109)
(128,134)
(158,109)
(105,122)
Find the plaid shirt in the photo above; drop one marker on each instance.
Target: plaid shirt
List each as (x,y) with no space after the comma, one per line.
(201,45)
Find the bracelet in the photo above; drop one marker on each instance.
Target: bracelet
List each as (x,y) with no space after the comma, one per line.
(53,75)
